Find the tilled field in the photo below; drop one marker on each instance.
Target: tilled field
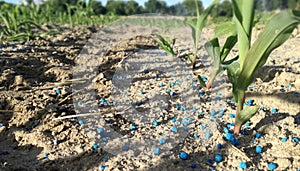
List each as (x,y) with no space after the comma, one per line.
(141,108)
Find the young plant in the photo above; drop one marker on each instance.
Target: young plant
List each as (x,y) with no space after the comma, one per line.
(198,26)
(241,74)
(219,54)
(166,45)
(253,57)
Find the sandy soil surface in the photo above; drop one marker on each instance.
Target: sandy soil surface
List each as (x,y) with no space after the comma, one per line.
(142,107)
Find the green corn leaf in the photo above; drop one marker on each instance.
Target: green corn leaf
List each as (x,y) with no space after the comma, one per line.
(50,32)
(30,22)
(1,35)
(192,25)
(190,58)
(202,83)
(229,44)
(243,16)
(173,41)
(229,61)
(245,115)
(198,26)
(213,49)
(162,39)
(13,21)
(7,25)
(276,32)
(19,37)
(225,29)
(166,45)
(233,71)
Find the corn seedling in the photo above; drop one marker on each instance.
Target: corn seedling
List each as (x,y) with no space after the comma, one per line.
(253,57)
(197,28)
(219,54)
(166,45)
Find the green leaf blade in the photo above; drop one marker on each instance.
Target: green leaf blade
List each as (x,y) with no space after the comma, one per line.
(275,34)
(243,16)
(229,44)
(233,71)
(225,29)
(202,83)
(245,115)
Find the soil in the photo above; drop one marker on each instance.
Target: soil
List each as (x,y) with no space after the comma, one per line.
(102,71)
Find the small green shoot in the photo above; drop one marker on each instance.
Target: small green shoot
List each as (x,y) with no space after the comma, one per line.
(166,45)
(219,54)
(197,28)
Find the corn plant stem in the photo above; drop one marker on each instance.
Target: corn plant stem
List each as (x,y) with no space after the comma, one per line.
(194,61)
(241,100)
(212,78)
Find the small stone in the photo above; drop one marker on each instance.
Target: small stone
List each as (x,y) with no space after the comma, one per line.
(19,80)
(209,160)
(229,136)
(207,134)
(232,115)
(58,91)
(100,130)
(297,83)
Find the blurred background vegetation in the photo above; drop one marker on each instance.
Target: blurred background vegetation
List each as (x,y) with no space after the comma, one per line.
(131,7)
(24,20)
